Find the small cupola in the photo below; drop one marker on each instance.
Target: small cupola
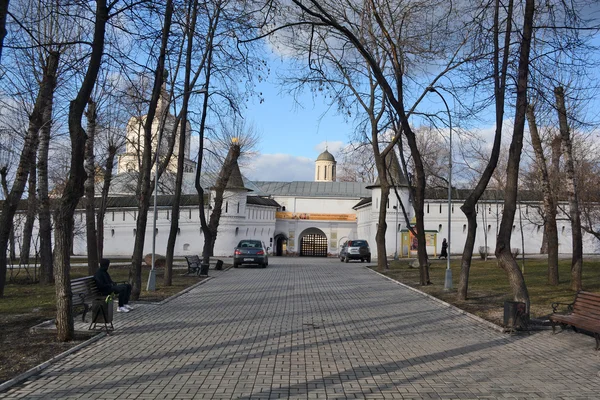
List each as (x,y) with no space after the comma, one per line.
(325,167)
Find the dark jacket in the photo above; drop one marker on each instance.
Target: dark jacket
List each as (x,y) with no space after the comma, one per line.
(103,280)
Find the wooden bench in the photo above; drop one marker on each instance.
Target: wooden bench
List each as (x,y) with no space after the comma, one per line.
(84,291)
(583,313)
(193,263)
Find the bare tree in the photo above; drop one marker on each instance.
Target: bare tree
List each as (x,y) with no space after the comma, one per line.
(3,14)
(189,33)
(74,186)
(356,164)
(89,189)
(27,158)
(500,61)
(503,250)
(550,228)
(572,192)
(30,215)
(144,183)
(589,195)
(225,174)
(381,34)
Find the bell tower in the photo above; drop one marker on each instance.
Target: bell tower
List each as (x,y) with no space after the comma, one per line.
(325,167)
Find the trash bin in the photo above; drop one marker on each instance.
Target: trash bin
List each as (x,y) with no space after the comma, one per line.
(102,313)
(515,315)
(204,269)
(219,265)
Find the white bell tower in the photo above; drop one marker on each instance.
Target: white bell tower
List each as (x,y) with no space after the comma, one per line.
(325,167)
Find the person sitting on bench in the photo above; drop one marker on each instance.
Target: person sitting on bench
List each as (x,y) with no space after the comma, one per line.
(106,286)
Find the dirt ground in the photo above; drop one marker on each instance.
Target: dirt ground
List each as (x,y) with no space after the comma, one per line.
(23,350)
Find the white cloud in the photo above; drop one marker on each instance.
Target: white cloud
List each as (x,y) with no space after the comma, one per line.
(279,167)
(332,147)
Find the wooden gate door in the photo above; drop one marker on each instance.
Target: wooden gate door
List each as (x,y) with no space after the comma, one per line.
(314,245)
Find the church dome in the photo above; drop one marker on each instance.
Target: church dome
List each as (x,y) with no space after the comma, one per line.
(325,156)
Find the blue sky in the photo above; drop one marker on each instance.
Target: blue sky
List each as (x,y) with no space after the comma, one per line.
(292,135)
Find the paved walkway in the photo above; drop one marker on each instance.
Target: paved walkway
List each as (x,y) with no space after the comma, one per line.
(315,328)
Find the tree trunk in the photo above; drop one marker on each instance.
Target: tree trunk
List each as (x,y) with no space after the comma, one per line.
(90,212)
(3,14)
(222,180)
(419,204)
(62,239)
(36,122)
(145,192)
(45,218)
(112,151)
(469,207)
(208,237)
(571,186)
(30,218)
(74,187)
(467,257)
(168,279)
(550,229)
(503,251)
(544,246)
(382,262)
(11,235)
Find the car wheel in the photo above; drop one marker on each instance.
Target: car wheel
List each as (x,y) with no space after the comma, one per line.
(235,265)
(362,260)
(347,259)
(264,265)
(369,259)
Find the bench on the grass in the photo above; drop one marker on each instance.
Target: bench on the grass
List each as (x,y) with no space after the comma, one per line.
(583,313)
(84,292)
(193,263)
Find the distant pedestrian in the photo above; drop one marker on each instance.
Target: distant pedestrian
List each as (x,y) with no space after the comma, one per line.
(444,252)
(107,286)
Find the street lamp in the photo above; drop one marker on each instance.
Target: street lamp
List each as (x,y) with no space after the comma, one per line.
(448,280)
(396,252)
(151,286)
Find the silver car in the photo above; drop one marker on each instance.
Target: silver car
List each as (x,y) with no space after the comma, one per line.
(355,250)
(251,252)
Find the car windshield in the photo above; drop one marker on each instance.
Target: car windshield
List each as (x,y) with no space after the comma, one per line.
(250,243)
(357,243)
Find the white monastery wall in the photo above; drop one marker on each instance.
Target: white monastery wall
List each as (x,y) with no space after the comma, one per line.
(324,205)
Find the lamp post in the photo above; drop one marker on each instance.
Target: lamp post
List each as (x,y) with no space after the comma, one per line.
(448,280)
(396,252)
(151,286)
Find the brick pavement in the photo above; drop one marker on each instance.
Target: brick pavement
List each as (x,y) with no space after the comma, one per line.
(312,329)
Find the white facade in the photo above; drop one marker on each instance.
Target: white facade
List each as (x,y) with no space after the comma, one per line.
(326,214)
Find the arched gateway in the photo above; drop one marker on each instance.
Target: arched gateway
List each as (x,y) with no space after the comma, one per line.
(280,244)
(313,243)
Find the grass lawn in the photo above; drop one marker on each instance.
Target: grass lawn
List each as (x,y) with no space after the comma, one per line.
(21,297)
(488,284)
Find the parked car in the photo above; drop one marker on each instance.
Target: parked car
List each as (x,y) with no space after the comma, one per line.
(251,252)
(355,250)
